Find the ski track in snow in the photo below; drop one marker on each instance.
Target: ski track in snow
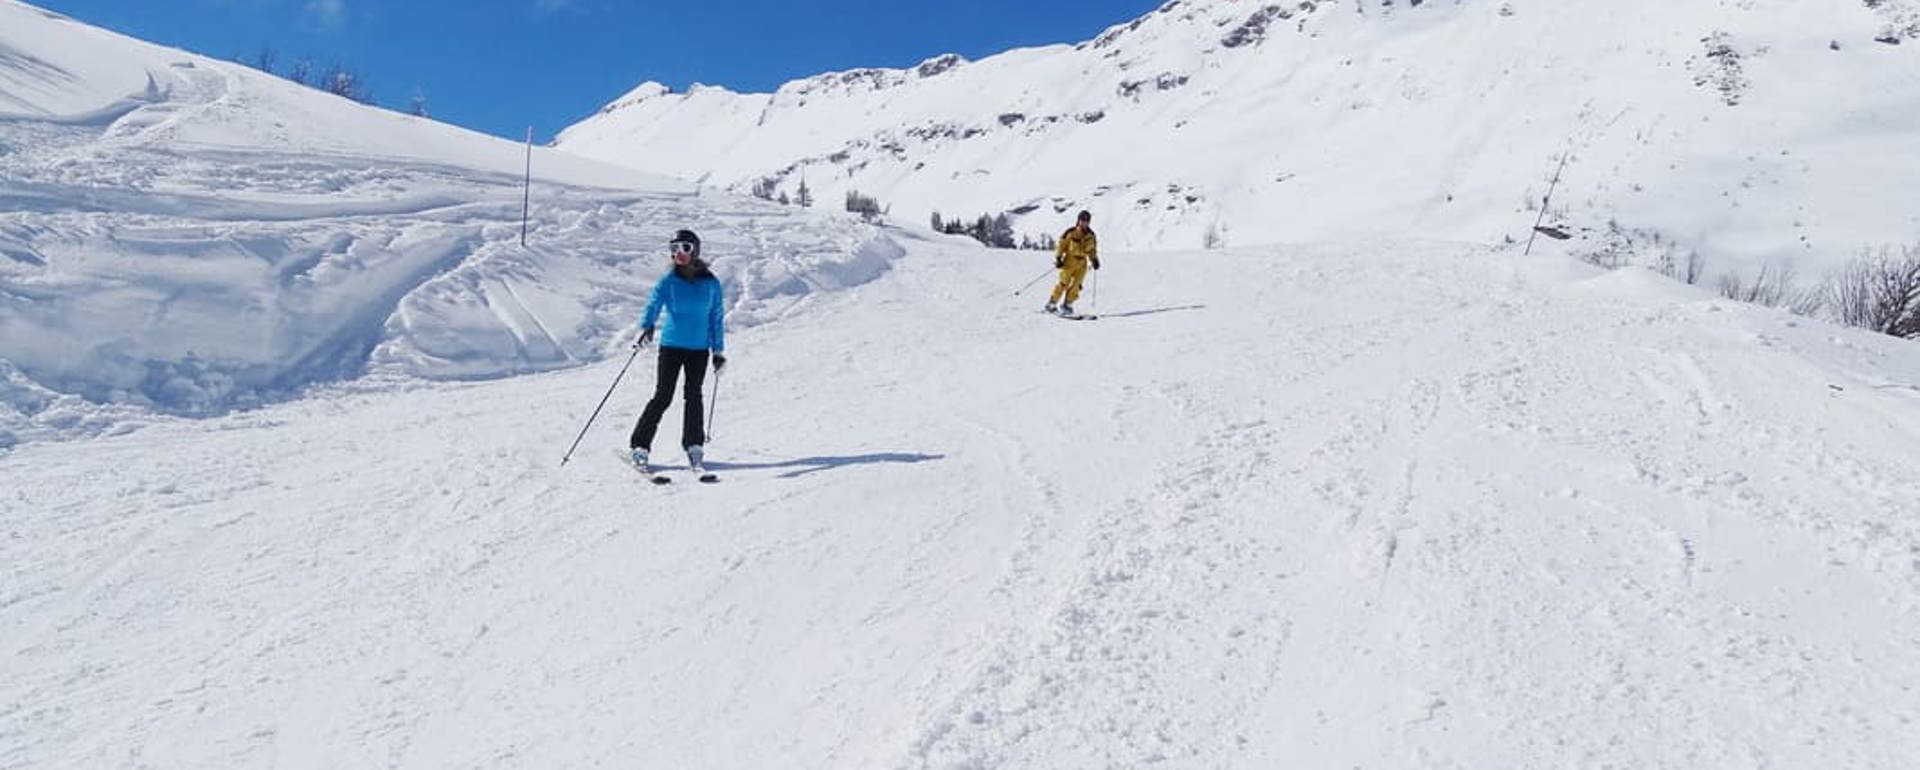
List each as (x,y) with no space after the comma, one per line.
(1380,505)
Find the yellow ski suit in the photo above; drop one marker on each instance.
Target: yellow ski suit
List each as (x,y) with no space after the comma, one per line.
(1077,249)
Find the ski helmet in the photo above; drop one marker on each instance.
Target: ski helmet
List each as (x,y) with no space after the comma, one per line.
(688,237)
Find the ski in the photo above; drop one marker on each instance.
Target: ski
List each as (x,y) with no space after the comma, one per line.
(705,476)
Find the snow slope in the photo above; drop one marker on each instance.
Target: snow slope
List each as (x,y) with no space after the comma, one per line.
(1383,505)
(189,235)
(1366,503)
(1746,129)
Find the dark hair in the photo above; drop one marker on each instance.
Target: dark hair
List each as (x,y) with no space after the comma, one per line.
(1085,216)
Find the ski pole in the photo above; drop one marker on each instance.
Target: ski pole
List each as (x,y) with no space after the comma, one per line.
(603,404)
(1036,279)
(714,404)
(1096,291)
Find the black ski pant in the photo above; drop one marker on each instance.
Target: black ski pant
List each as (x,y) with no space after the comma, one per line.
(672,360)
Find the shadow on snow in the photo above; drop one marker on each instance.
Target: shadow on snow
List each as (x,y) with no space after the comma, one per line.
(1132,313)
(808,465)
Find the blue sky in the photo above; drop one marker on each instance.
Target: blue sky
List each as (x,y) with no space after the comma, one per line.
(502,65)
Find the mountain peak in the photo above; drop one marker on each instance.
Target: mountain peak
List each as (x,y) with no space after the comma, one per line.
(643,92)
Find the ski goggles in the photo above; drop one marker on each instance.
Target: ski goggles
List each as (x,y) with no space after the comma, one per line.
(683,247)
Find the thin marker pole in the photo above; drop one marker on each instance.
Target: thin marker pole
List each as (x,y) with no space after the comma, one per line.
(1546,202)
(526,198)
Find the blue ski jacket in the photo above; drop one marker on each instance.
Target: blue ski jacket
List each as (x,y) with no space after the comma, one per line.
(695,309)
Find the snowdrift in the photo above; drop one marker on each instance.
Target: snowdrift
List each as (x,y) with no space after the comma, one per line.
(189,235)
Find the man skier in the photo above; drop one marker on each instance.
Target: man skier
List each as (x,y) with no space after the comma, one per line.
(696,323)
(1078,248)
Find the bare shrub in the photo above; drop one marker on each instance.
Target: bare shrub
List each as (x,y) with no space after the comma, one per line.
(1696,268)
(1773,287)
(1214,238)
(1679,263)
(1621,246)
(301,71)
(1807,301)
(1880,292)
(264,60)
(342,81)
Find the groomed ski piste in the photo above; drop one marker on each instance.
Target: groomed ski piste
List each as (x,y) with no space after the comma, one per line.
(1384,505)
(1378,504)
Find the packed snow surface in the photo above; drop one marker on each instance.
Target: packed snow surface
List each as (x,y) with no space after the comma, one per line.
(1393,505)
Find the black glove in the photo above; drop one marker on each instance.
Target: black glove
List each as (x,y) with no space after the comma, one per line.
(719,362)
(1059,263)
(646,336)
(1096,264)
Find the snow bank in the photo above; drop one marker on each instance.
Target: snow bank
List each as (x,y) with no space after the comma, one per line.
(190,236)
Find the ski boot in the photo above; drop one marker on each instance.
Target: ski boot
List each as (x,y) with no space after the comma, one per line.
(697,462)
(643,463)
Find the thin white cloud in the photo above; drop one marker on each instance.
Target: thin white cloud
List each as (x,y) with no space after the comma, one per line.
(330,14)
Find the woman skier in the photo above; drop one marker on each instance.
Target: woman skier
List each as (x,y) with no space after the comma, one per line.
(695,312)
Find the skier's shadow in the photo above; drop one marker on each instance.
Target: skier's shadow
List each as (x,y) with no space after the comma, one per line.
(1132,313)
(804,466)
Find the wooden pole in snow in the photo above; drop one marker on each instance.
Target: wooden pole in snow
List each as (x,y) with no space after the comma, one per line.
(1546,202)
(526,198)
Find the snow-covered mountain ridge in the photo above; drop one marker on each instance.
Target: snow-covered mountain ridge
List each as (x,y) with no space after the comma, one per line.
(1747,129)
(190,235)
